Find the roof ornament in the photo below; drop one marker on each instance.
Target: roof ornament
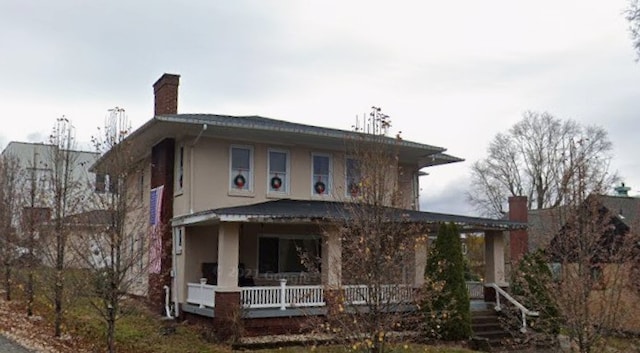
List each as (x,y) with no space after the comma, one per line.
(622,190)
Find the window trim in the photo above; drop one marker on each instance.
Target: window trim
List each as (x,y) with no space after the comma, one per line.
(287,179)
(251,173)
(329,186)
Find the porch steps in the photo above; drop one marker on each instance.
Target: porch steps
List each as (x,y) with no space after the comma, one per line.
(489,335)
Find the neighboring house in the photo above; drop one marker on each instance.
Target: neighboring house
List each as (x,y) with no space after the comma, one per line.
(241,193)
(35,163)
(608,243)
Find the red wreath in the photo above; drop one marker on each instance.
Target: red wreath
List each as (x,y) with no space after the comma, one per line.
(354,189)
(276,182)
(239,181)
(319,187)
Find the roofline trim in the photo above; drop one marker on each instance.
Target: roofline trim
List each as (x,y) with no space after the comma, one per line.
(329,132)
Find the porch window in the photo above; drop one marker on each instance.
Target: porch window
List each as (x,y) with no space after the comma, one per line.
(278,181)
(284,254)
(353,177)
(321,178)
(241,177)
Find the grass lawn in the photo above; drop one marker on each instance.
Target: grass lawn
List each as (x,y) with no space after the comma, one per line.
(138,330)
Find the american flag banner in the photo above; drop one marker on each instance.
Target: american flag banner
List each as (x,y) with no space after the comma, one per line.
(155,245)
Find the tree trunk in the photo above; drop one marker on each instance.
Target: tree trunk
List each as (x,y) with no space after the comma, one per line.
(7,281)
(30,293)
(58,302)
(111,330)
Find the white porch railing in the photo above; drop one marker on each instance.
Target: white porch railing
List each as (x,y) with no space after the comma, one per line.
(201,294)
(284,296)
(476,290)
(523,311)
(388,293)
(281,297)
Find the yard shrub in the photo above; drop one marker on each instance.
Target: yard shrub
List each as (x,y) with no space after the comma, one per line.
(531,284)
(447,312)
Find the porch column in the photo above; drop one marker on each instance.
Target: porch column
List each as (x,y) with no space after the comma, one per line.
(421,249)
(331,272)
(227,304)
(332,261)
(494,262)
(228,250)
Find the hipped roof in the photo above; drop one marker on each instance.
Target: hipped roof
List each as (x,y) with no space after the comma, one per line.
(257,129)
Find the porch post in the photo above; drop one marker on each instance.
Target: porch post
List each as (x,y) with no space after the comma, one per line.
(228,253)
(494,262)
(421,249)
(227,295)
(332,261)
(331,271)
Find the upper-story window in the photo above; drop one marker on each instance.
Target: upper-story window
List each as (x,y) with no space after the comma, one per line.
(179,182)
(241,177)
(101,182)
(353,177)
(278,171)
(321,177)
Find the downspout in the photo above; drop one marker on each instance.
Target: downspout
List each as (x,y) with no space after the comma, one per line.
(167,310)
(174,280)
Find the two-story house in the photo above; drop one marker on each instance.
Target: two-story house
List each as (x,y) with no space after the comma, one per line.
(240,195)
(38,167)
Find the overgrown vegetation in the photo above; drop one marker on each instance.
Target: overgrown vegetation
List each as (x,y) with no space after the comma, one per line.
(530,284)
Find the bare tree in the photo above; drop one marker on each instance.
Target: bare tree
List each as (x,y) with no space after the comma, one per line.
(632,14)
(66,199)
(378,245)
(109,238)
(9,204)
(593,253)
(532,159)
(35,213)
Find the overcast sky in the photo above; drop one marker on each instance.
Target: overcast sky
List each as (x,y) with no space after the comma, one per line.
(449,73)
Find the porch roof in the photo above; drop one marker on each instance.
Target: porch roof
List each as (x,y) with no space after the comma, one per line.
(304,211)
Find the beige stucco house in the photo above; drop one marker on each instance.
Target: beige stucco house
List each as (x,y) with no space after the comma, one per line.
(239,195)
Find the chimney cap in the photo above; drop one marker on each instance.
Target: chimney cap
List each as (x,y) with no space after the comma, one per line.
(166,78)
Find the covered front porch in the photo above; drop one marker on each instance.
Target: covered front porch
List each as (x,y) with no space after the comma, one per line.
(249,257)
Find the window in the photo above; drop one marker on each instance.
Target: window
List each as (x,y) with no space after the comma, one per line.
(353,177)
(278,171)
(241,168)
(113,184)
(283,254)
(321,174)
(141,192)
(177,246)
(101,182)
(179,169)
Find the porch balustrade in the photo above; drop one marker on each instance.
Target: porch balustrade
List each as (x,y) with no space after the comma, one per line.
(476,290)
(202,294)
(284,296)
(389,293)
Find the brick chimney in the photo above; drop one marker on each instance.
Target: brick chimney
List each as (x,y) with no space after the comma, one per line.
(518,239)
(165,92)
